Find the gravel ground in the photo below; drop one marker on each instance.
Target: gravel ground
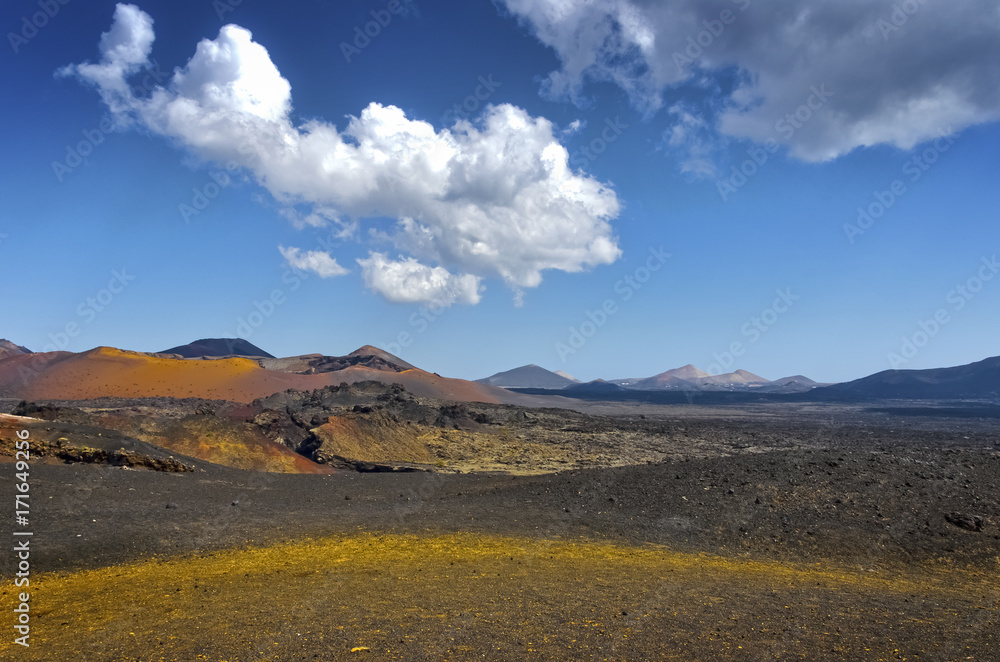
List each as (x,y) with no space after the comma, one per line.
(911,499)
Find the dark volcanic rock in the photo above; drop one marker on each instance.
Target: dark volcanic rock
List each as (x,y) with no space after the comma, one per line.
(968,522)
(280,426)
(33,410)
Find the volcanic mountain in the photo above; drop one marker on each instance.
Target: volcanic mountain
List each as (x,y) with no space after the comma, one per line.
(792,384)
(111,372)
(975,380)
(737,378)
(800,379)
(218,347)
(7,348)
(596,386)
(563,373)
(527,376)
(682,377)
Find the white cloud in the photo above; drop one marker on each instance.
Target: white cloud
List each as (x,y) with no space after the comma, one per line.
(408,281)
(691,136)
(494,198)
(124,50)
(318,262)
(321,217)
(896,78)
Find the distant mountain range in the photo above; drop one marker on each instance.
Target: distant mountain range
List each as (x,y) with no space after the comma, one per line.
(975,380)
(234,369)
(685,378)
(980,380)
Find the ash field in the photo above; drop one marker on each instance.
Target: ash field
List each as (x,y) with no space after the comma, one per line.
(362,521)
(212,502)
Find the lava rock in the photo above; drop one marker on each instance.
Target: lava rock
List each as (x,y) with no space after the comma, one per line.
(974,523)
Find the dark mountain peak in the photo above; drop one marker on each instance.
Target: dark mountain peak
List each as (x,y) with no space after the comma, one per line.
(367,350)
(800,379)
(374,357)
(527,376)
(595,386)
(218,347)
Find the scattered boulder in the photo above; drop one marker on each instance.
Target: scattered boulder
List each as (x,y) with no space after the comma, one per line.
(974,523)
(119,458)
(33,410)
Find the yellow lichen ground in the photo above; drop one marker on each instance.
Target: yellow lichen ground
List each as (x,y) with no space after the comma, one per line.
(465,596)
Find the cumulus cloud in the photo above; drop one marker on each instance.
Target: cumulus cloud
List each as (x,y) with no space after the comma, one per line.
(124,50)
(409,281)
(494,198)
(900,71)
(319,262)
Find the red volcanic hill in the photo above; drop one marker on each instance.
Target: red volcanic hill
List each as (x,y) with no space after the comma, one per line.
(111,372)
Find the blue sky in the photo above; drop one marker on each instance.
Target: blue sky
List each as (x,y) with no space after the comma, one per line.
(155,196)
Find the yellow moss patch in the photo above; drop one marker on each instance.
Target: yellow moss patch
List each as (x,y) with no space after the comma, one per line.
(374,437)
(452,596)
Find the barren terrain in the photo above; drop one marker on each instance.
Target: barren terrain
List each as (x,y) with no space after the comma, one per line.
(815,532)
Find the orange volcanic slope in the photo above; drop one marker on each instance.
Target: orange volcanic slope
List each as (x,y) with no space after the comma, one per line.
(106,371)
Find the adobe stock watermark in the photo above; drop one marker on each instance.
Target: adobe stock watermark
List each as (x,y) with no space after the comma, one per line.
(957,299)
(418,322)
(786,127)
(76,154)
(223,7)
(913,168)
(900,16)
(88,310)
(363,36)
(30,26)
(203,195)
(587,154)
(698,43)
(265,308)
(472,103)
(626,288)
(753,330)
